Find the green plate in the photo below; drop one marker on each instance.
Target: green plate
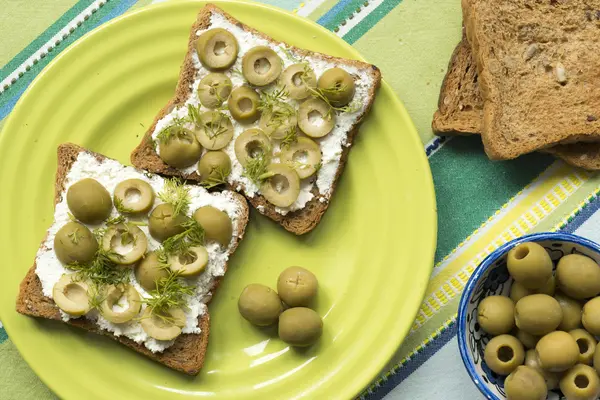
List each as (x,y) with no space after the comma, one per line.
(372,252)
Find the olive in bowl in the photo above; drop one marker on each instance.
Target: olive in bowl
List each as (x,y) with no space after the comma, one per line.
(492,278)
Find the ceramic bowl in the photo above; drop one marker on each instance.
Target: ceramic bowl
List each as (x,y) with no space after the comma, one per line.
(491,277)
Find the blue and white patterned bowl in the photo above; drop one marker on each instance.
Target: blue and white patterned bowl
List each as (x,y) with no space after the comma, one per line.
(491,277)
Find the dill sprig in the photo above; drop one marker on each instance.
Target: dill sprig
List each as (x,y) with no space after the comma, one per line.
(120,207)
(215,127)
(269,100)
(101,270)
(218,176)
(115,220)
(96,296)
(318,167)
(170,292)
(291,56)
(177,195)
(215,89)
(75,236)
(256,167)
(179,244)
(176,129)
(291,137)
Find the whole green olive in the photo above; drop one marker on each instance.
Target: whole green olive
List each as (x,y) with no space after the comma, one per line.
(580,383)
(503,354)
(300,326)
(528,340)
(261,66)
(538,314)
(590,317)
(214,166)
(259,304)
(578,276)
(530,265)
(89,201)
(496,315)
(525,383)
(297,286)
(571,310)
(216,224)
(74,242)
(179,150)
(587,345)
(557,351)
(338,86)
(217,49)
(518,291)
(164,223)
(149,271)
(551,378)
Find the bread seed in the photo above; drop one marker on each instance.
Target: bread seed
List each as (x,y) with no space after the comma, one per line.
(592,118)
(561,74)
(531,51)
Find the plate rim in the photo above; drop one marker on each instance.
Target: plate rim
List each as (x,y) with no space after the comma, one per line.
(386,350)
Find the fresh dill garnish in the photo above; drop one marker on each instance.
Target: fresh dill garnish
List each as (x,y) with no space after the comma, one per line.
(214,90)
(177,195)
(214,127)
(71,216)
(115,220)
(275,110)
(96,296)
(120,207)
(170,292)
(179,244)
(148,175)
(256,167)
(291,56)
(217,176)
(318,167)
(75,236)
(176,129)
(194,115)
(291,137)
(269,100)
(101,270)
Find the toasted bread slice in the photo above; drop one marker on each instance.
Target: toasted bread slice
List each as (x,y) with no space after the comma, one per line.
(537,73)
(460,110)
(299,221)
(189,350)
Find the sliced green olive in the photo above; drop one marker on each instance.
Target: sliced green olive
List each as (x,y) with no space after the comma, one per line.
(243,104)
(133,196)
(304,156)
(166,326)
(338,86)
(117,311)
(214,166)
(192,263)
(261,66)
(298,80)
(279,121)
(71,295)
(252,143)
(217,49)
(282,186)
(216,130)
(214,89)
(149,271)
(315,118)
(216,224)
(181,149)
(164,223)
(74,242)
(125,242)
(89,201)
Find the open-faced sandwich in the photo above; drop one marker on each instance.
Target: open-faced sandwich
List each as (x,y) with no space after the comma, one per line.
(269,120)
(133,256)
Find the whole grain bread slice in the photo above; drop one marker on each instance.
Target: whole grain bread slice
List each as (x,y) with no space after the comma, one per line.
(299,222)
(460,110)
(537,65)
(188,352)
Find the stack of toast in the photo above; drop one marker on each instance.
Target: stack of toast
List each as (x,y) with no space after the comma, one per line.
(525,77)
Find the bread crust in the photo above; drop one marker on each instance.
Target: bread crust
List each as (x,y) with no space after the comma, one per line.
(188,352)
(299,222)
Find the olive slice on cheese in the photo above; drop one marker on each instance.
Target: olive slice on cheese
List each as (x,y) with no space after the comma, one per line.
(282,185)
(214,89)
(72,295)
(298,80)
(121,303)
(193,262)
(315,118)
(217,49)
(243,104)
(261,66)
(215,130)
(125,242)
(252,143)
(337,86)
(165,326)
(133,196)
(304,156)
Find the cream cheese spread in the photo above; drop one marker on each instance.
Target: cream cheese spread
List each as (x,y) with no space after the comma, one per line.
(331,145)
(109,173)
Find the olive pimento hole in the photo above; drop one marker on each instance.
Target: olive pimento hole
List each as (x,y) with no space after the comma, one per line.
(219,48)
(522,252)
(122,243)
(133,195)
(75,293)
(121,304)
(315,118)
(279,183)
(254,149)
(245,105)
(297,79)
(505,354)
(187,258)
(583,346)
(582,381)
(301,156)
(262,66)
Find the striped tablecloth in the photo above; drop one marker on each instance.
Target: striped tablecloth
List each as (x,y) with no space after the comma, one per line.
(481,204)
